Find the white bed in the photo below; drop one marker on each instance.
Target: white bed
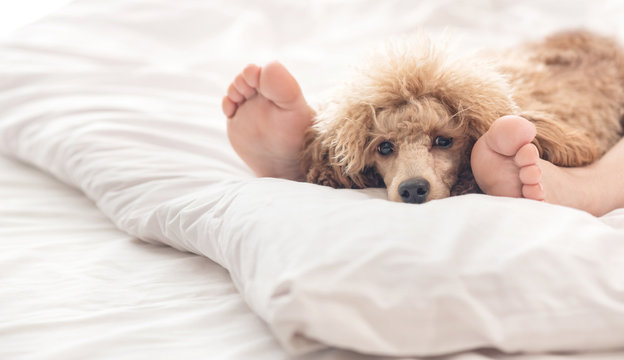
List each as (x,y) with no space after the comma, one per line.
(123,205)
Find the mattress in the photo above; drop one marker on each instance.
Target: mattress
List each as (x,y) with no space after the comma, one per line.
(130,229)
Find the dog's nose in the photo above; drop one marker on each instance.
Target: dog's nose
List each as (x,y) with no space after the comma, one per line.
(414,191)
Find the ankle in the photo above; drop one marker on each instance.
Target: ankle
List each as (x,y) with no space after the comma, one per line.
(607,186)
(593,198)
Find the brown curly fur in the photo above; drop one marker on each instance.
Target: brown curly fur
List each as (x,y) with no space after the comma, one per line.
(570,85)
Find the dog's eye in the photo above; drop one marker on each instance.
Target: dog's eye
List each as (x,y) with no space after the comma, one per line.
(443,142)
(385,148)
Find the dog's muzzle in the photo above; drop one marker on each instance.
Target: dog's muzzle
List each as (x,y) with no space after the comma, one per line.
(414,190)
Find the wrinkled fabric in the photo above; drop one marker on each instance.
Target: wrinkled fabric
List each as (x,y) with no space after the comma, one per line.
(120,99)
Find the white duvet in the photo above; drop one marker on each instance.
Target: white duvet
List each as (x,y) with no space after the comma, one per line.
(121,100)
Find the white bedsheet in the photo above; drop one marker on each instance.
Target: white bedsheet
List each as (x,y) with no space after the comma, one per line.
(75,287)
(120,98)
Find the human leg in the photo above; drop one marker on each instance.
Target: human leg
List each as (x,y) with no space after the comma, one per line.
(505,163)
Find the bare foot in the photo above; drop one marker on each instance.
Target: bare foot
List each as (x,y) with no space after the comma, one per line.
(267,118)
(505,163)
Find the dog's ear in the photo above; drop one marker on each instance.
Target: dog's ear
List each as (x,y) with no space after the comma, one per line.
(336,153)
(578,149)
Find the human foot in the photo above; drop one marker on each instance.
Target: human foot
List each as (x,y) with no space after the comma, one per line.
(505,163)
(267,119)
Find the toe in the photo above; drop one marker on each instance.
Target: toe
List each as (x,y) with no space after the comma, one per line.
(527,155)
(509,133)
(234,94)
(530,175)
(243,87)
(228,106)
(251,74)
(535,192)
(279,86)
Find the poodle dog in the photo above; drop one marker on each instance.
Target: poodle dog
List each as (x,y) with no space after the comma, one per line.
(409,119)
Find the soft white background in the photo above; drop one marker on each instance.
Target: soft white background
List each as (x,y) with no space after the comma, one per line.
(15,14)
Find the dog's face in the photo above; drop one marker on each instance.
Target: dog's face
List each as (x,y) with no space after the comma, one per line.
(419,149)
(407,121)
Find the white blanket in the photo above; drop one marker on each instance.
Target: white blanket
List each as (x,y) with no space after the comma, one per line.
(121,99)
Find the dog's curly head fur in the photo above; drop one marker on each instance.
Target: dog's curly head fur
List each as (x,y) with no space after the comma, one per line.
(412,113)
